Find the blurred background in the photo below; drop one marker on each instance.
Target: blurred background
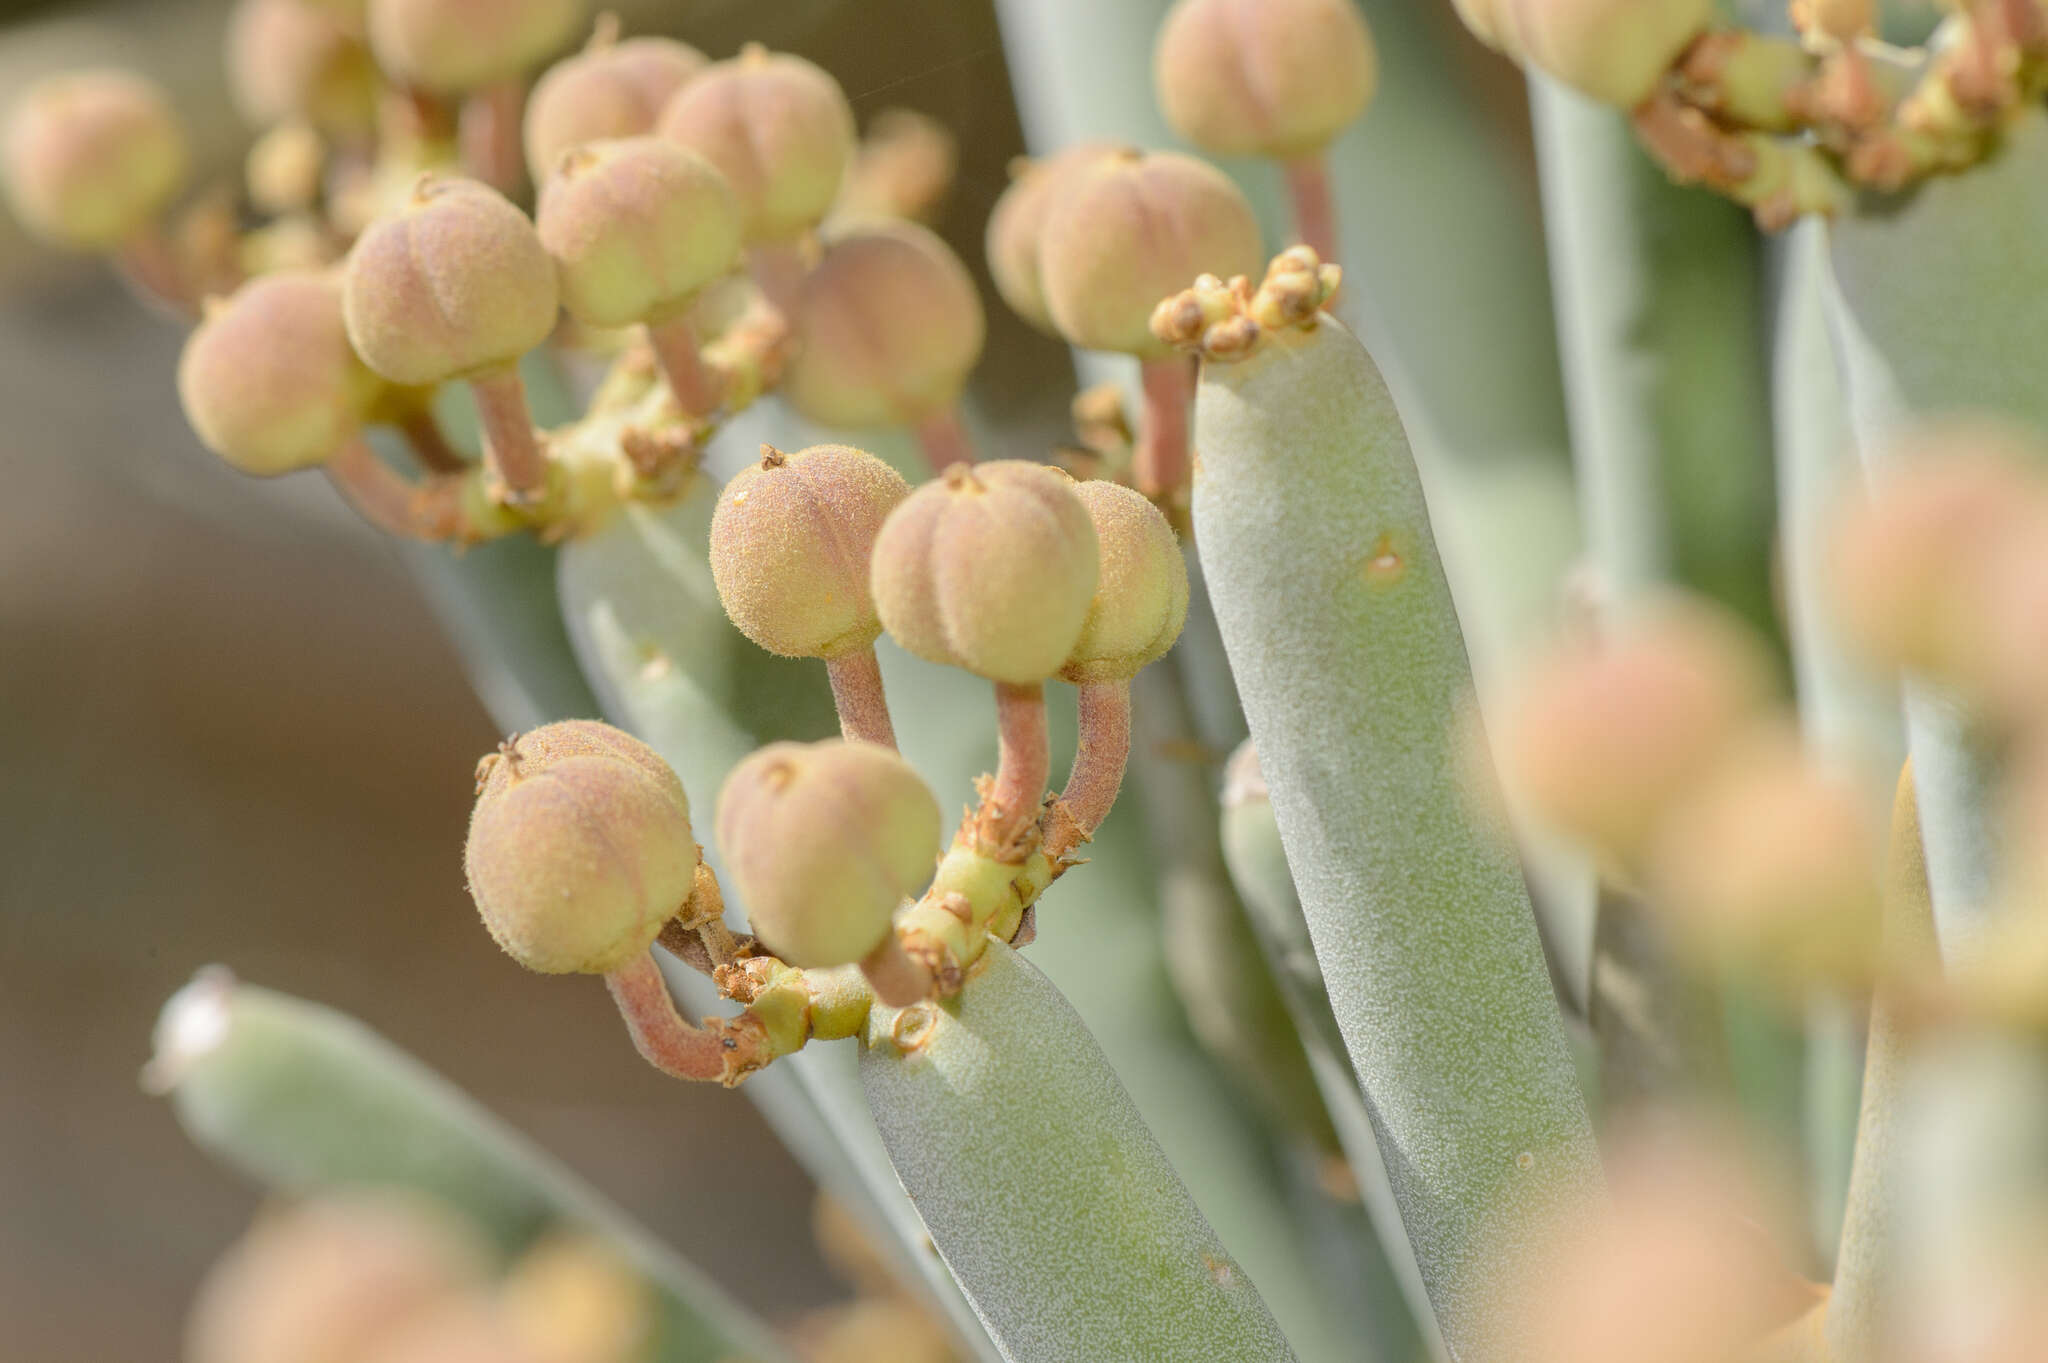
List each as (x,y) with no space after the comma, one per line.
(230,731)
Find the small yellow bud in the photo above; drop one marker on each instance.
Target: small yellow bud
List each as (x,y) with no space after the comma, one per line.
(454,283)
(289,60)
(1141,590)
(991,568)
(1016,228)
(606,91)
(92,157)
(791,542)
(824,841)
(454,46)
(1277,78)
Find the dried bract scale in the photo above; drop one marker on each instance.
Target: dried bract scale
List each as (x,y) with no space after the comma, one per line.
(1277,78)
(888,326)
(1132,231)
(288,60)
(464,1330)
(1141,591)
(455,282)
(1613,50)
(824,841)
(636,227)
(576,866)
(780,130)
(791,542)
(326,1280)
(536,750)
(1016,227)
(269,380)
(609,90)
(92,157)
(452,47)
(1607,735)
(1223,322)
(991,569)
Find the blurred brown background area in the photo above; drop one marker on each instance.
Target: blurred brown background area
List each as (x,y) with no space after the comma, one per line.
(230,731)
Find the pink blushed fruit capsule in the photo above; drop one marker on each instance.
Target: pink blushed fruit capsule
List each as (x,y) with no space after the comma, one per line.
(1134,230)
(777,127)
(1141,591)
(608,90)
(791,542)
(1613,50)
(575,866)
(269,380)
(92,157)
(636,228)
(1016,229)
(451,47)
(454,283)
(888,326)
(287,59)
(536,750)
(1278,78)
(991,568)
(824,840)
(325,1280)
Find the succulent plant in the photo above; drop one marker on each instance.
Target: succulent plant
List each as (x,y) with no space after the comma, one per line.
(1361,1048)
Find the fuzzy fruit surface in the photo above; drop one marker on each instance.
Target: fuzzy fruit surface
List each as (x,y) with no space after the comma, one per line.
(454,46)
(604,92)
(455,282)
(1016,227)
(269,380)
(791,543)
(1141,589)
(1612,50)
(823,841)
(92,157)
(636,227)
(1276,78)
(576,867)
(990,568)
(536,750)
(888,325)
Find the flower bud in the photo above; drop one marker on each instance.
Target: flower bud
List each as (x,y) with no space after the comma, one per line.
(1016,228)
(1141,589)
(576,866)
(536,750)
(92,157)
(1132,231)
(452,47)
(1613,50)
(824,840)
(991,568)
(887,327)
(636,228)
(323,1281)
(791,542)
(269,380)
(1276,78)
(455,282)
(608,90)
(779,129)
(289,60)
(1608,734)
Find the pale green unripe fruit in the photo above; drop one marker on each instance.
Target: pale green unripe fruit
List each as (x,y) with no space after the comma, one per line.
(1135,230)
(790,545)
(1141,592)
(269,380)
(1016,227)
(991,568)
(606,91)
(576,866)
(325,1280)
(455,282)
(823,841)
(778,128)
(1612,50)
(536,750)
(287,59)
(454,46)
(636,227)
(92,157)
(1276,78)
(888,326)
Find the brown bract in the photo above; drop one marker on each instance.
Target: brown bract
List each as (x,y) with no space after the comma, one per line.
(1016,227)
(791,542)
(991,568)
(1223,321)
(92,157)
(452,47)
(823,841)
(888,326)
(777,127)
(269,380)
(1133,230)
(1276,78)
(1141,590)
(608,90)
(287,59)
(455,282)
